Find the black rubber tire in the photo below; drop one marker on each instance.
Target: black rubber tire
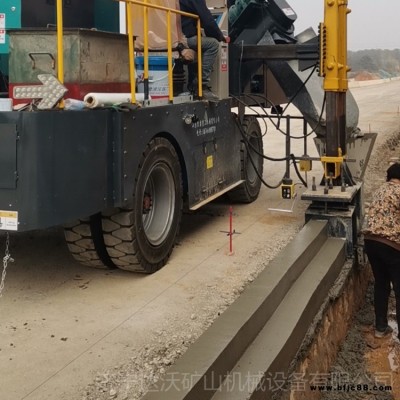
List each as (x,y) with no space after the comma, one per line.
(141,239)
(249,190)
(86,244)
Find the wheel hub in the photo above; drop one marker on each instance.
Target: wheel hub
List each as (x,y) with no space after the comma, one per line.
(158,203)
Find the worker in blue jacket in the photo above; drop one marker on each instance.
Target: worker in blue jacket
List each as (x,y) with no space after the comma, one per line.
(209,43)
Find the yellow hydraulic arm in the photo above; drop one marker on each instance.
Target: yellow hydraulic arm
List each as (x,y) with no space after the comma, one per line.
(333,61)
(334,69)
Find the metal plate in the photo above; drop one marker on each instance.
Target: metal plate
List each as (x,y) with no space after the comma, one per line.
(8,156)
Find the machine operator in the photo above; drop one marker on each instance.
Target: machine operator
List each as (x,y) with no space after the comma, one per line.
(209,43)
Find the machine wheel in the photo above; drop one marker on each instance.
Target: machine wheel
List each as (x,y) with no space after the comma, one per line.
(86,244)
(141,239)
(249,190)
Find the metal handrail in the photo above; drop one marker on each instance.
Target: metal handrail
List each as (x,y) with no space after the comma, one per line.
(146,5)
(60,47)
(169,11)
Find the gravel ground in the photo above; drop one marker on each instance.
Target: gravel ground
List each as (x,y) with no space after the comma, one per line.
(132,379)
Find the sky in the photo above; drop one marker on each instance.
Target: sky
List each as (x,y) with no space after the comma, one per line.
(372,24)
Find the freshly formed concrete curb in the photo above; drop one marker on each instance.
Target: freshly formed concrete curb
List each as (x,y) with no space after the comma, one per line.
(216,352)
(265,363)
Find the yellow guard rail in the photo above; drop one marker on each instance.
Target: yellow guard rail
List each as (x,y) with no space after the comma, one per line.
(60,46)
(169,11)
(146,5)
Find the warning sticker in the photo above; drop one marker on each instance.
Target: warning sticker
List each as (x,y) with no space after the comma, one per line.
(224,59)
(2,36)
(210,162)
(2,21)
(8,220)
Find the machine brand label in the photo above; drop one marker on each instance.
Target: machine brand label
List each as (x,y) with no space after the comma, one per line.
(206,125)
(8,220)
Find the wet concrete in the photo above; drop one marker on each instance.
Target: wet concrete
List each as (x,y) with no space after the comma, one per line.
(281,303)
(311,370)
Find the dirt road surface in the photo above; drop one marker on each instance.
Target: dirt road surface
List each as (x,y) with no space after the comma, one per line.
(71,332)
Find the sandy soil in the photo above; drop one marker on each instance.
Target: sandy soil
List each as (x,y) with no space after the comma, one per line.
(68,332)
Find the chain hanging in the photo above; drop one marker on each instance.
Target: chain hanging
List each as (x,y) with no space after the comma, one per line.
(6,259)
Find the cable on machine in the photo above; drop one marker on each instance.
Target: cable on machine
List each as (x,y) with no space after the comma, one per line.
(266,115)
(247,143)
